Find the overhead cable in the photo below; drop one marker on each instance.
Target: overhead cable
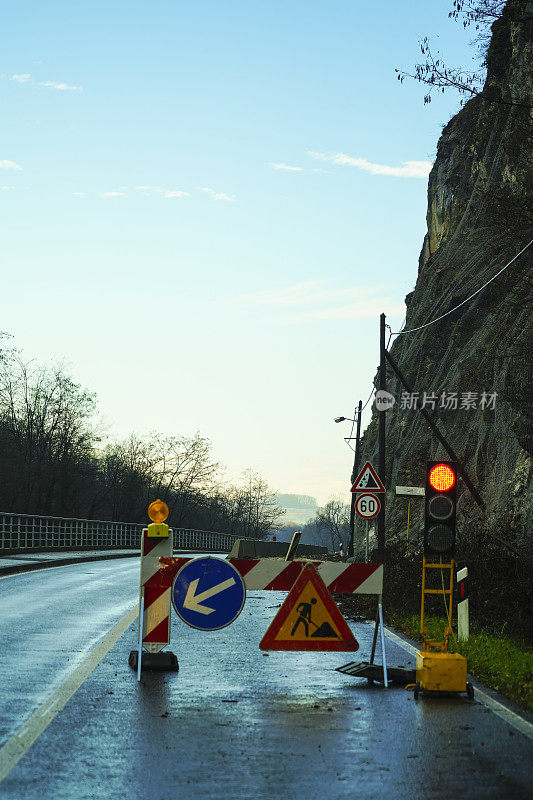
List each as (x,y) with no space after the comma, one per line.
(369,396)
(348,438)
(412,330)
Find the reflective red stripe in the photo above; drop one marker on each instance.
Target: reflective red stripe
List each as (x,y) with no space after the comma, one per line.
(244,565)
(153,590)
(354,574)
(160,633)
(285,578)
(169,571)
(149,543)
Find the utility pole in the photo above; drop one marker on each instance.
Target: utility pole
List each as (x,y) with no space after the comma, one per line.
(354,476)
(381,438)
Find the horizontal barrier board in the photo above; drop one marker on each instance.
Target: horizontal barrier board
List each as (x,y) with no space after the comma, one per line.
(278,574)
(271,573)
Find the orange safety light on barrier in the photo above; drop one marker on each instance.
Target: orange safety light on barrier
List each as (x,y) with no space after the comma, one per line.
(158,511)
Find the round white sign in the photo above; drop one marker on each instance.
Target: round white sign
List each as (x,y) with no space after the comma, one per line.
(367,506)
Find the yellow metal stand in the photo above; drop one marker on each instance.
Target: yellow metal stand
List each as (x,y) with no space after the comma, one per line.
(436,669)
(428,644)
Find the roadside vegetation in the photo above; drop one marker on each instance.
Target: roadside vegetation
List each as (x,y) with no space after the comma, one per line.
(499,661)
(499,650)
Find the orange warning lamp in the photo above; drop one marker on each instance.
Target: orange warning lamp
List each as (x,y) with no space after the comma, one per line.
(441,477)
(158,511)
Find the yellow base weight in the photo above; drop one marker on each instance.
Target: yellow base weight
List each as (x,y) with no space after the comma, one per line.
(440,672)
(158,529)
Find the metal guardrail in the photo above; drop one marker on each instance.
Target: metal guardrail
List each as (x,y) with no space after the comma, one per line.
(25,532)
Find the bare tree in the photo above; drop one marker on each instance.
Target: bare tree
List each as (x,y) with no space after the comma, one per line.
(183,471)
(334,521)
(435,73)
(48,436)
(257,506)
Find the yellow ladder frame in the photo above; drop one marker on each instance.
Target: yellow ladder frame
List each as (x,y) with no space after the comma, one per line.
(429,644)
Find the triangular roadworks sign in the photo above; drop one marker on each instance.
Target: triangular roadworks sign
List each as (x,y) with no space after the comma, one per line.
(309,619)
(368,481)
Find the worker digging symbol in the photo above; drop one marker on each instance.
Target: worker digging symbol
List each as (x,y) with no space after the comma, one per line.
(304,616)
(308,619)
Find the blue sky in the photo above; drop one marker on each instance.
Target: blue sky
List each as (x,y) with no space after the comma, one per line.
(206,206)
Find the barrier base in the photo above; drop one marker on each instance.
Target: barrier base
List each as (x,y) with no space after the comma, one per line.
(374,672)
(161,662)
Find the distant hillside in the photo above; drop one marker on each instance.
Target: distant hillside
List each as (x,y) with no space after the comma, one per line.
(296,501)
(298,508)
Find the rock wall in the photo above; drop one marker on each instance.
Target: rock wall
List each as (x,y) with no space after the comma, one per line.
(479,216)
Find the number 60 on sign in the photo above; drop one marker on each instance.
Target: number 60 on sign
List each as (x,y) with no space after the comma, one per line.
(367,506)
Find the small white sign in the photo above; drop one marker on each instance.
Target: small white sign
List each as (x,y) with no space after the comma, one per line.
(410,491)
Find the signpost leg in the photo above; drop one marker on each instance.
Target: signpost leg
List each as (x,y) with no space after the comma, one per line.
(383,656)
(141,624)
(374,640)
(366,540)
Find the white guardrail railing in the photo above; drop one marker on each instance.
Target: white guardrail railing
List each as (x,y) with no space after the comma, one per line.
(33,532)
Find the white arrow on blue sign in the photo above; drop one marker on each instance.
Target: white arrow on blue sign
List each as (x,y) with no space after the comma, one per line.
(208,593)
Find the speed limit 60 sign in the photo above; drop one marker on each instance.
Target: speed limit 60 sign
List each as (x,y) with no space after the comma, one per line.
(367,506)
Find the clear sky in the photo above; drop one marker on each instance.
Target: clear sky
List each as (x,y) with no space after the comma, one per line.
(207,205)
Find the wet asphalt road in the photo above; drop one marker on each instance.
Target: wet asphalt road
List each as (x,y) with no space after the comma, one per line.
(234,722)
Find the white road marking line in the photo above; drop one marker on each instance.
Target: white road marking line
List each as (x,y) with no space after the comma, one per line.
(511,717)
(406,646)
(19,744)
(28,571)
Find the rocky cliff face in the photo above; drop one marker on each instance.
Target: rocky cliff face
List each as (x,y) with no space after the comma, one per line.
(479,216)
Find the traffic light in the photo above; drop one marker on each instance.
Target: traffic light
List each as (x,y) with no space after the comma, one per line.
(441,501)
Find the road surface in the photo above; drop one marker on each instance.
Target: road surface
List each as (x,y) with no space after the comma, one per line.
(233,723)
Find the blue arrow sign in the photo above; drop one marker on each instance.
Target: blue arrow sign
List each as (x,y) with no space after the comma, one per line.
(208,593)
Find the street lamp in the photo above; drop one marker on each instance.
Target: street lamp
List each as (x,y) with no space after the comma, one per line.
(354,474)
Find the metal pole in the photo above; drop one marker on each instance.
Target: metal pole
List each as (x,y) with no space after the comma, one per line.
(366,542)
(375,639)
(383,656)
(354,476)
(381,438)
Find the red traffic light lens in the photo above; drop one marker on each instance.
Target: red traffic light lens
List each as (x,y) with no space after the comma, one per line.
(441,477)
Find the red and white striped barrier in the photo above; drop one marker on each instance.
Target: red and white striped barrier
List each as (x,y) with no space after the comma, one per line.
(271,573)
(155,588)
(277,574)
